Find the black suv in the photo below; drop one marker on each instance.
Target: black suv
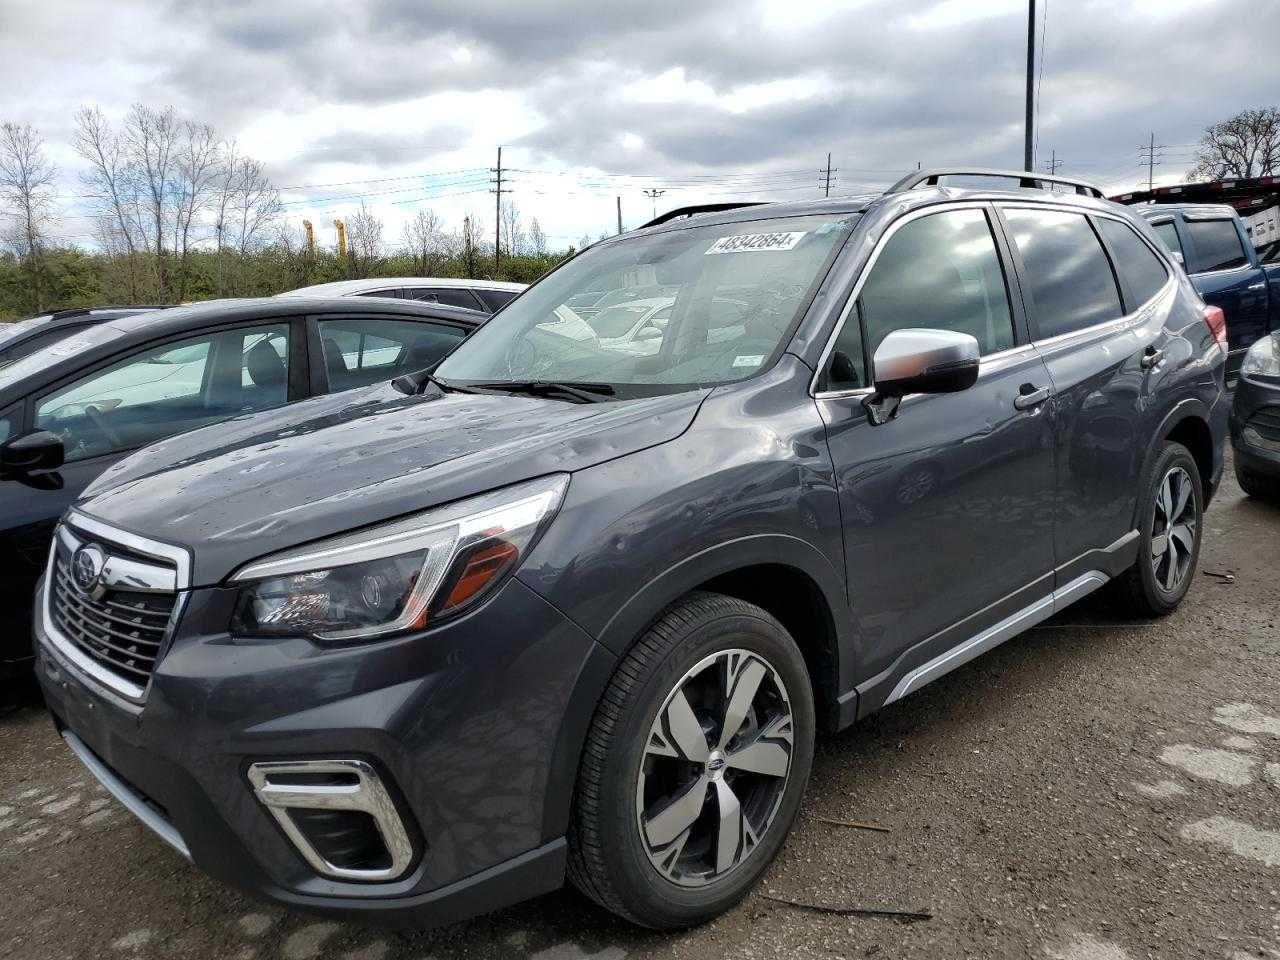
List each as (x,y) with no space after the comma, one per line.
(572,607)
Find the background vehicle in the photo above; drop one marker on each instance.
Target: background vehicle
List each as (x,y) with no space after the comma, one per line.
(24,337)
(1255,419)
(132,380)
(1212,244)
(593,632)
(486,296)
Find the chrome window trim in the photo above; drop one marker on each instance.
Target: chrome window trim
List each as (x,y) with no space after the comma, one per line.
(180,557)
(893,228)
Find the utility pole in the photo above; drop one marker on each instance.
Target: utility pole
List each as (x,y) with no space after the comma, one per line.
(1053,164)
(653,193)
(1031,69)
(619,214)
(497,192)
(468,248)
(1150,160)
(311,237)
(826,177)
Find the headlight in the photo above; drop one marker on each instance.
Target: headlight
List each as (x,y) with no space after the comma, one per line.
(398,576)
(1263,358)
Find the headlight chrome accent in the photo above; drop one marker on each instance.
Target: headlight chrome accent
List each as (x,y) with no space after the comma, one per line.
(394,577)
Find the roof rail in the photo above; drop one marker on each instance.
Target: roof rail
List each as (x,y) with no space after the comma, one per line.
(85,311)
(1027,179)
(679,212)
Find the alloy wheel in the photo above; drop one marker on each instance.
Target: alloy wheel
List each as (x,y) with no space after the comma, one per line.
(715,768)
(1174,530)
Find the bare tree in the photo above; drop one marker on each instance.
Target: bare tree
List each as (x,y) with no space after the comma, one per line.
(110,183)
(246,204)
(27,190)
(512,229)
(426,242)
(1246,145)
(364,241)
(537,239)
(197,167)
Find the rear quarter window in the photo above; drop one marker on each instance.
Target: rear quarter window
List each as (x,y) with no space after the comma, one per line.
(1140,269)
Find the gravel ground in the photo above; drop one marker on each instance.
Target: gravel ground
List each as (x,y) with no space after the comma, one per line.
(1088,791)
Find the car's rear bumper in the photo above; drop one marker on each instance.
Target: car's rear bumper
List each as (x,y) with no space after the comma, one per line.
(463,725)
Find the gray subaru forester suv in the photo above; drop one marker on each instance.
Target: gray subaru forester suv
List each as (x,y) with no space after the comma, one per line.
(574,606)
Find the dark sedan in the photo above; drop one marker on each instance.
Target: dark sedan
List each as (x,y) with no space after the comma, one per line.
(1255,420)
(25,337)
(90,399)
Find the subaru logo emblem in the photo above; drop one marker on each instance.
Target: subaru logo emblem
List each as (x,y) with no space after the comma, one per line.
(86,567)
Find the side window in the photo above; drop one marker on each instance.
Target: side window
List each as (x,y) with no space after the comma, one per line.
(1068,276)
(449,296)
(9,422)
(1217,245)
(495,300)
(360,352)
(1168,234)
(169,389)
(389,292)
(1137,264)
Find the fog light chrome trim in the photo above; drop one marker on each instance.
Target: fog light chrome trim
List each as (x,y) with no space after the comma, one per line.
(272,786)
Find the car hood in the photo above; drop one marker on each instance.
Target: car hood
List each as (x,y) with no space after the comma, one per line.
(257,484)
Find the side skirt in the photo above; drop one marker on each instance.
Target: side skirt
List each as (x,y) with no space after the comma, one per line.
(998,633)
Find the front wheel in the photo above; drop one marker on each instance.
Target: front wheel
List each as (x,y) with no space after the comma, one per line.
(1170,518)
(694,766)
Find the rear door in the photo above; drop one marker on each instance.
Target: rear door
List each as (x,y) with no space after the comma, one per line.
(1100,355)
(948,509)
(1226,277)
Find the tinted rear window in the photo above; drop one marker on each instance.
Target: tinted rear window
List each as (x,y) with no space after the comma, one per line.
(1140,268)
(1217,245)
(1168,234)
(1067,274)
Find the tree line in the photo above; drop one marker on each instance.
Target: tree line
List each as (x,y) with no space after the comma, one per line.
(176,213)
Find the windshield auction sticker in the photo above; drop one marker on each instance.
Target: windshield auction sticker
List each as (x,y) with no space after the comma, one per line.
(757,242)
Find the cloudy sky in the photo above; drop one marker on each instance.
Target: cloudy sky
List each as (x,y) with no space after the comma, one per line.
(403,103)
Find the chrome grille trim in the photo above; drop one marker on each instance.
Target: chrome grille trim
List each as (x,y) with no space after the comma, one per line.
(116,637)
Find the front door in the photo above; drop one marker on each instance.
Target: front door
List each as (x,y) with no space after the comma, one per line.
(948,508)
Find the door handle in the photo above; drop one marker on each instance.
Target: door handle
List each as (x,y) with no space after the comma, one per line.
(1150,357)
(1257,286)
(1030,396)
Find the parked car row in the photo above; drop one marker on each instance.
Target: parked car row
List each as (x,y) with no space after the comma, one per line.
(574,601)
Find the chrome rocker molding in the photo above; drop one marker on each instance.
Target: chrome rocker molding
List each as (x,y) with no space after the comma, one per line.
(122,792)
(367,795)
(993,636)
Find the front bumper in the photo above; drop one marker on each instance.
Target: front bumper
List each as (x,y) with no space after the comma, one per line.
(465,723)
(1256,446)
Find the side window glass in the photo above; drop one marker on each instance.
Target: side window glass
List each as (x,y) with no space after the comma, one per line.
(940,271)
(9,423)
(1140,267)
(495,300)
(169,389)
(1168,234)
(360,352)
(1217,245)
(392,292)
(449,296)
(1068,276)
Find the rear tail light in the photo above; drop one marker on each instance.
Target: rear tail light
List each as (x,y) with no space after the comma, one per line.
(1216,321)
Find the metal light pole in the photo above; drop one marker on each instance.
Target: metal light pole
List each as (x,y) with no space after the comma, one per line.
(1031,64)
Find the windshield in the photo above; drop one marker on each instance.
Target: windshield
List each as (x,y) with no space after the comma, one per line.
(736,291)
(82,341)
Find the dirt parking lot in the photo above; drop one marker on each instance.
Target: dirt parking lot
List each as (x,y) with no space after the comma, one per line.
(1089,791)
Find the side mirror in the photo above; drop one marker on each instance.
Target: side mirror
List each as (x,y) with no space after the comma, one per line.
(39,450)
(920,361)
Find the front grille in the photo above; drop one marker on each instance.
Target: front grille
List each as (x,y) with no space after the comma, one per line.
(122,631)
(1267,422)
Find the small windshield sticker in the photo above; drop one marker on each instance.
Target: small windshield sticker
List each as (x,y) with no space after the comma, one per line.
(757,242)
(752,361)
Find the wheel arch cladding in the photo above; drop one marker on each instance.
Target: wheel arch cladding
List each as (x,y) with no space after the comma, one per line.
(1193,432)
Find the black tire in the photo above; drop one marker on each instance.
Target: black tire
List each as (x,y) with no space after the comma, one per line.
(607,856)
(1258,486)
(1137,592)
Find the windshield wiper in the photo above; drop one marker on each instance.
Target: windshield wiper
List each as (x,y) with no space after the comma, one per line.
(413,383)
(581,392)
